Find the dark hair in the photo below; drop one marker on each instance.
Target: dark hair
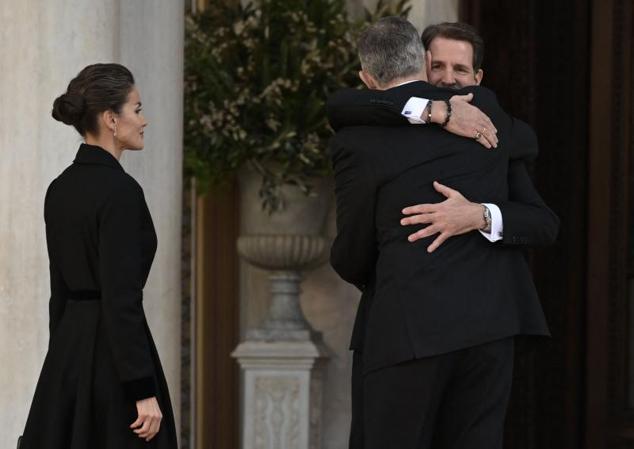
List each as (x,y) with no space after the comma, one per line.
(97,88)
(460,32)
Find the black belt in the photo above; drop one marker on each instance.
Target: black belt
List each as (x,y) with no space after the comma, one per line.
(85,295)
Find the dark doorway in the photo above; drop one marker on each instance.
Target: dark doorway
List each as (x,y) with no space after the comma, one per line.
(566,67)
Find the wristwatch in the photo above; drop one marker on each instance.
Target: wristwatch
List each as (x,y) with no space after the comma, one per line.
(486,215)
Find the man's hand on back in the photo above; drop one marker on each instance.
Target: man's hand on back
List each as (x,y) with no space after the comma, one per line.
(466,120)
(454,216)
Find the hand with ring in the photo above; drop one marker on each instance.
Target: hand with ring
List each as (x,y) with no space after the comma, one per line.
(465,118)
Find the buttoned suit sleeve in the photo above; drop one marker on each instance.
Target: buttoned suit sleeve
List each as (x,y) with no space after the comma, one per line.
(528,221)
(122,279)
(354,251)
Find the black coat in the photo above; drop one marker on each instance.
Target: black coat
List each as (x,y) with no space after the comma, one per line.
(101,357)
(469,291)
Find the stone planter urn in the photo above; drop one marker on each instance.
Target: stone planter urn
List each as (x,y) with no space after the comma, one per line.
(286,243)
(282,360)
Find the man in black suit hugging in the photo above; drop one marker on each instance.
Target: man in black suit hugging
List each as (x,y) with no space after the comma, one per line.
(433,337)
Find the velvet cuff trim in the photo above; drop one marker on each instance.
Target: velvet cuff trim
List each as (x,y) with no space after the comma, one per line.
(138,389)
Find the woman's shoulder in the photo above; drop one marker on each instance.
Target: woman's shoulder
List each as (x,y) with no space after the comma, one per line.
(125,181)
(124,188)
(105,185)
(96,183)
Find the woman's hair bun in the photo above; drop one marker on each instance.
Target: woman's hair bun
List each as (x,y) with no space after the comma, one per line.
(69,108)
(97,88)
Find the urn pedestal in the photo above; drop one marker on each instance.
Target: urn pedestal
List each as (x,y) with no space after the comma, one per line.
(283,383)
(282,360)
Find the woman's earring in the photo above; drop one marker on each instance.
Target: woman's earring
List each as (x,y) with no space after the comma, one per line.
(115,129)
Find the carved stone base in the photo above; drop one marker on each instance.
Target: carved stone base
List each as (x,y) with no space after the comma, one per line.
(282,394)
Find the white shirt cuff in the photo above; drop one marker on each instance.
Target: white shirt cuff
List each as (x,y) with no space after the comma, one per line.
(413,110)
(497,224)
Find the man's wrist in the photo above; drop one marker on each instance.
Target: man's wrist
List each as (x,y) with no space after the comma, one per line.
(426,114)
(438,111)
(477,217)
(486,219)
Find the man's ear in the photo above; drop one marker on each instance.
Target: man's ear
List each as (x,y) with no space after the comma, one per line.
(428,59)
(368,80)
(478,76)
(423,74)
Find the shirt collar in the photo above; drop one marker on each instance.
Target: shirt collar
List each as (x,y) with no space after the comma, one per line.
(92,154)
(407,82)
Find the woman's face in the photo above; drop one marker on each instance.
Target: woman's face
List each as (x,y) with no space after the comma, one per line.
(130,122)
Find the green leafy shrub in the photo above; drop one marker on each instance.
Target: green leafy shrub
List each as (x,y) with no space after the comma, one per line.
(256,81)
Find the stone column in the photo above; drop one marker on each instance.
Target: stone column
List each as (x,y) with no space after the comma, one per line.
(45,44)
(433,11)
(151,46)
(423,12)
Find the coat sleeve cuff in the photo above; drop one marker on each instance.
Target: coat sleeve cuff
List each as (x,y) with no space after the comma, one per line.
(138,389)
(497,224)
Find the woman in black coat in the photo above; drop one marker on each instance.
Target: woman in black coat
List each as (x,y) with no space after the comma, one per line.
(102,385)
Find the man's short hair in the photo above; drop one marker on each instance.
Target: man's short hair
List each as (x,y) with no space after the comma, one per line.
(460,32)
(390,49)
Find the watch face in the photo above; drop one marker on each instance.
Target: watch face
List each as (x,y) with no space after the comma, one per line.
(487,219)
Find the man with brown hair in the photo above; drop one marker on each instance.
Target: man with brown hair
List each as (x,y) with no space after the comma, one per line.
(448,48)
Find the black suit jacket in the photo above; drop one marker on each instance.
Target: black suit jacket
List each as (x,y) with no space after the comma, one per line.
(101,241)
(468,291)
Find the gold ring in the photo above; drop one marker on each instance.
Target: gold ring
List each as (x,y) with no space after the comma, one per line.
(478,134)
